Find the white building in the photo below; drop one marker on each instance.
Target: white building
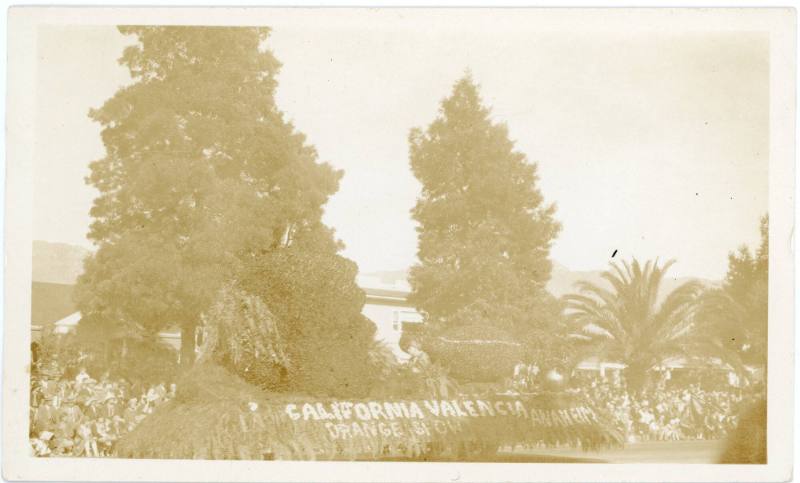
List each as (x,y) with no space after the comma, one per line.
(66,325)
(388,308)
(69,325)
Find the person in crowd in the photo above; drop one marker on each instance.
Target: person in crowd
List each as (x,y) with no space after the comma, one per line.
(82,376)
(419,359)
(46,415)
(87,444)
(130,413)
(92,411)
(110,408)
(105,436)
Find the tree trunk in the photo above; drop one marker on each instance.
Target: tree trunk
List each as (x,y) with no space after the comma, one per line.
(636,377)
(187,345)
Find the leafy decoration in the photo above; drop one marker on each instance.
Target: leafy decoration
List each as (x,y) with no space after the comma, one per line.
(242,334)
(218,416)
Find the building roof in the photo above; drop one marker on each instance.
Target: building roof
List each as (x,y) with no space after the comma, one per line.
(378,290)
(69,321)
(594,363)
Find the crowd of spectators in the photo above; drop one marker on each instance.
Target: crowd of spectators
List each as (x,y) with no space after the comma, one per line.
(78,415)
(667,411)
(83,416)
(670,414)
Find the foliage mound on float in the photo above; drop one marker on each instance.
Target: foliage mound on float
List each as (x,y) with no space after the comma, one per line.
(313,294)
(475,353)
(216,415)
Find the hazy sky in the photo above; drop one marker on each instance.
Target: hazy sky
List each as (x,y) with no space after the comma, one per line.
(652,145)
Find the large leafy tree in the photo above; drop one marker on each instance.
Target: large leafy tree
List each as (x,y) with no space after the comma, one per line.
(624,321)
(735,315)
(484,228)
(202,180)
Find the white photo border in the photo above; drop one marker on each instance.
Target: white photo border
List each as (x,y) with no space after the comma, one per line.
(17,462)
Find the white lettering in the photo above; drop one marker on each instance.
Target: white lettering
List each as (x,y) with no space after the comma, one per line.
(362,411)
(432,406)
(376,410)
(291,410)
(471,408)
(485,408)
(447,409)
(414,411)
(309,412)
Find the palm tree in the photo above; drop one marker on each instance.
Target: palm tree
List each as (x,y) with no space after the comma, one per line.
(627,324)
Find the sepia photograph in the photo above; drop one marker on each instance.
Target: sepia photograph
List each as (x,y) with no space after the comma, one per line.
(416,238)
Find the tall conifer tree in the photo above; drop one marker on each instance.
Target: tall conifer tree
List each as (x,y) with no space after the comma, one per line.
(203,182)
(484,228)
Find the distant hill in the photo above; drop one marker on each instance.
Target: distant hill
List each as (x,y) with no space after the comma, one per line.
(562,280)
(57,262)
(51,302)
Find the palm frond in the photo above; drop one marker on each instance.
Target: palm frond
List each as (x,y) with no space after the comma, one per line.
(634,328)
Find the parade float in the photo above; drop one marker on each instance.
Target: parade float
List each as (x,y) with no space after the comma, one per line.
(218,414)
